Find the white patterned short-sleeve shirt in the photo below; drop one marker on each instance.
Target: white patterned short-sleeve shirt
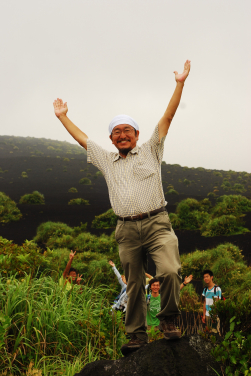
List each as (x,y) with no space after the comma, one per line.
(134,183)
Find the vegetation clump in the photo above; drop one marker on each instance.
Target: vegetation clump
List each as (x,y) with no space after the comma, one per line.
(85,181)
(60,331)
(9,212)
(72,190)
(34,198)
(78,201)
(105,220)
(225,218)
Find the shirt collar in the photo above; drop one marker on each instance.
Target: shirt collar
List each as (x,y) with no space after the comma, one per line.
(133,151)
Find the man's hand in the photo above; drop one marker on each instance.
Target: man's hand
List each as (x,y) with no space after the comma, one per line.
(71,255)
(182,76)
(188,279)
(111,263)
(204,319)
(60,108)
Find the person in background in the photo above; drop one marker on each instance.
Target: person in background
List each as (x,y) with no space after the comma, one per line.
(153,301)
(70,274)
(120,303)
(210,293)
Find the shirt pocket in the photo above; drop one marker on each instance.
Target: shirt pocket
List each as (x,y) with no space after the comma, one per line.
(144,168)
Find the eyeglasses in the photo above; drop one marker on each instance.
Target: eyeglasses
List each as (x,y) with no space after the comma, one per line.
(118,132)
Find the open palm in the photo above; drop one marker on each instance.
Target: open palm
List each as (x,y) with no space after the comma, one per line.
(182,76)
(60,107)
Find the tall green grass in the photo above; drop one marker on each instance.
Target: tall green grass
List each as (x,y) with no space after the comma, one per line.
(56,329)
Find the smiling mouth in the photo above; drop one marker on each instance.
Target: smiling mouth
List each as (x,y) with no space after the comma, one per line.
(123,141)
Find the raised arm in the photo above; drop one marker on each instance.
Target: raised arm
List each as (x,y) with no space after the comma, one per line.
(165,121)
(68,266)
(61,110)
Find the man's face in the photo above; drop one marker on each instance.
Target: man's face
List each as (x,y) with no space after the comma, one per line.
(124,138)
(207,278)
(155,287)
(72,276)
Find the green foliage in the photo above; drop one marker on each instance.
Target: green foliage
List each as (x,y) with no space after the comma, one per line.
(34,198)
(194,263)
(174,220)
(172,192)
(192,213)
(46,324)
(189,299)
(85,181)
(73,190)
(49,169)
(231,205)
(217,173)
(20,260)
(56,229)
(234,352)
(98,173)
(24,174)
(225,218)
(105,220)
(239,188)
(224,225)
(211,194)
(8,209)
(186,182)
(78,201)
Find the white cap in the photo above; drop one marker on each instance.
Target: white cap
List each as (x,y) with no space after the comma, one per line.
(122,119)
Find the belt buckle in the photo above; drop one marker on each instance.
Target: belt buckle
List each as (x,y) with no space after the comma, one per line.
(134,216)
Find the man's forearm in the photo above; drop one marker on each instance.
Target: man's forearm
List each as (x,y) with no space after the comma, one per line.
(74,131)
(165,121)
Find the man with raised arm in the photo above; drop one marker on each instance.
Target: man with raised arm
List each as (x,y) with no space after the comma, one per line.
(133,176)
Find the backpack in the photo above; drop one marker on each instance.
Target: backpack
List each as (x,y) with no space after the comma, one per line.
(215,286)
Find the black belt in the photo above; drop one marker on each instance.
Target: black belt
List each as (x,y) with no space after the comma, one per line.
(141,216)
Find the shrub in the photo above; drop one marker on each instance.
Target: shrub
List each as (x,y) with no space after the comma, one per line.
(191,213)
(34,198)
(73,190)
(232,204)
(8,209)
(217,173)
(224,225)
(78,201)
(172,192)
(211,194)
(105,220)
(85,181)
(189,299)
(238,188)
(186,182)
(99,173)
(174,220)
(48,229)
(20,260)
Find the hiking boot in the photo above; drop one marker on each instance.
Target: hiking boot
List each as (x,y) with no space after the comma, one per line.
(134,344)
(168,327)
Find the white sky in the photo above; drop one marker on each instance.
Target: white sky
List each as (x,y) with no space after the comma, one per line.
(106,57)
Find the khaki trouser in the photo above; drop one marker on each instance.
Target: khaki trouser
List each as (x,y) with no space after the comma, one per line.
(155,236)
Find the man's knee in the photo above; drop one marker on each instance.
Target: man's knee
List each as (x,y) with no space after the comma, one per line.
(169,276)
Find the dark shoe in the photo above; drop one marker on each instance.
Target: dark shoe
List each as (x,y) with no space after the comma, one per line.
(168,327)
(133,345)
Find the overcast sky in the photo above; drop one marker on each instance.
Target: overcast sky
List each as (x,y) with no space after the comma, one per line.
(106,57)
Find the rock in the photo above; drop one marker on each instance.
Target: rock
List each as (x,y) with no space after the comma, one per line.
(189,356)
